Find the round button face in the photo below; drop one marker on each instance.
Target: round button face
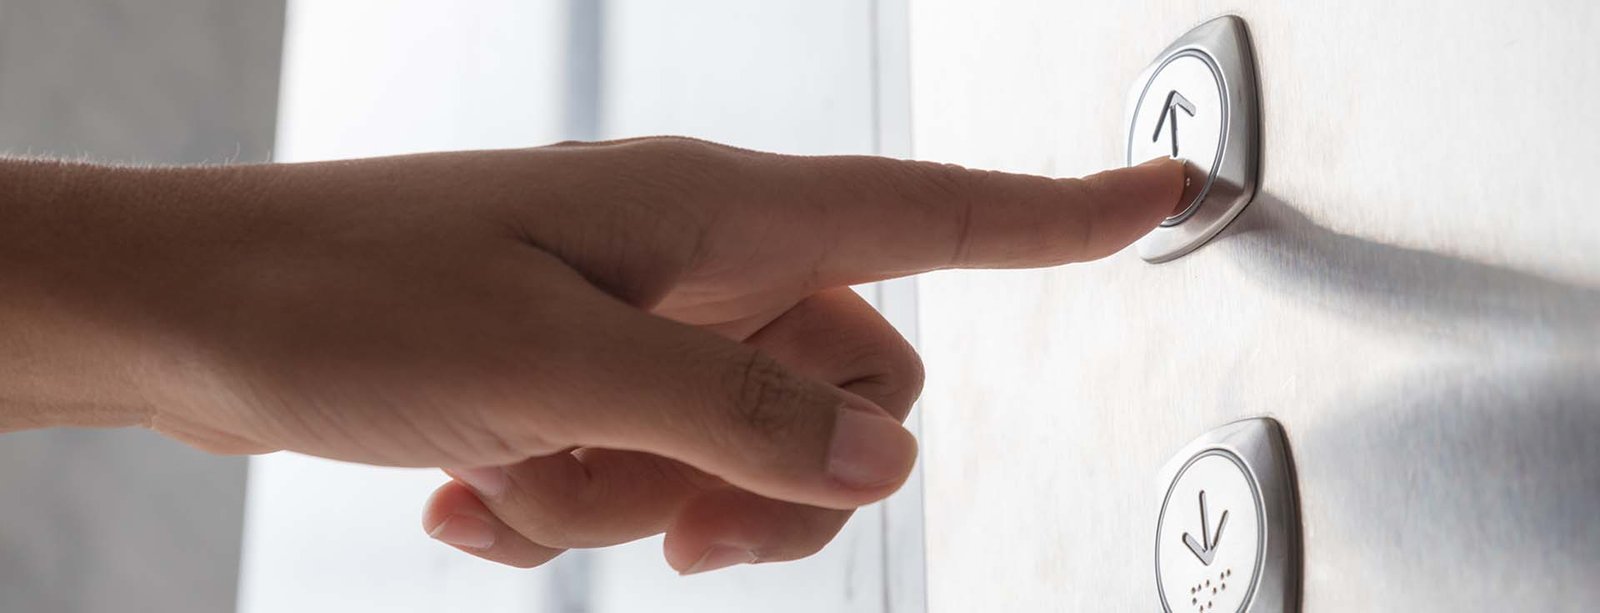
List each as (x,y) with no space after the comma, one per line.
(1182,114)
(1209,541)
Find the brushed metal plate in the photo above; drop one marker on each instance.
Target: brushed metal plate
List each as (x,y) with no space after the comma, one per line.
(1413,293)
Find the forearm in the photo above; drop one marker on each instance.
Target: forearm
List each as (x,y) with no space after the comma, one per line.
(80,333)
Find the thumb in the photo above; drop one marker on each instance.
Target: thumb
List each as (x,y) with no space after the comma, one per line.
(734,412)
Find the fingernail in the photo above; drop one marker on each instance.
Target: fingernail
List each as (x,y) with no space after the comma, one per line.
(1158,161)
(488,481)
(463,531)
(869,449)
(720,556)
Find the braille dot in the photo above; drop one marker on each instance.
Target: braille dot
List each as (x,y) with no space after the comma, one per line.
(1208,583)
(1213,591)
(1224,586)
(1230,572)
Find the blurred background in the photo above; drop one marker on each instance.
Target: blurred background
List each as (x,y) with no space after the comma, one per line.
(127,521)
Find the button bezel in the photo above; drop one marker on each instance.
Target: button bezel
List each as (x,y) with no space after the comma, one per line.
(1209,174)
(1259,448)
(1225,45)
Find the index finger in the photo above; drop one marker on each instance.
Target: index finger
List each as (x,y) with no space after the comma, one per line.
(863,218)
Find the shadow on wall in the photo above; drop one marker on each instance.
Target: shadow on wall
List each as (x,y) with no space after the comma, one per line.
(1485,455)
(1410,291)
(1447,470)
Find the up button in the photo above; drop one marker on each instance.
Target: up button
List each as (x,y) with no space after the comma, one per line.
(1183,113)
(1197,102)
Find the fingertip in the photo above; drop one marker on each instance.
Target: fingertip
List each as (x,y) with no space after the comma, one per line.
(1159,180)
(707,528)
(720,529)
(727,527)
(1126,203)
(455,516)
(680,552)
(452,516)
(464,532)
(442,503)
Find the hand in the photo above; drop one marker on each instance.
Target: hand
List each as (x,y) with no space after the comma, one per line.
(599,342)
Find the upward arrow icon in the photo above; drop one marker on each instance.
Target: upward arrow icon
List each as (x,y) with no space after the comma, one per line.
(1169,110)
(1206,547)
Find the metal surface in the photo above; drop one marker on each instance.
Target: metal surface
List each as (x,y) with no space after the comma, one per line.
(1227,518)
(1206,83)
(1414,294)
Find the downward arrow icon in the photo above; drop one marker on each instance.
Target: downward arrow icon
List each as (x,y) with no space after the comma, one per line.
(1206,547)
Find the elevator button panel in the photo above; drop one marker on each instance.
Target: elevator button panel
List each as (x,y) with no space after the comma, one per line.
(1197,102)
(1227,534)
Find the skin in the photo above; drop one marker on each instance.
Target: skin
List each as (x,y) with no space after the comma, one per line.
(598,342)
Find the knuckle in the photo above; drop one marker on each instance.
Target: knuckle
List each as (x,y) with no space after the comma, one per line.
(940,182)
(775,415)
(815,529)
(767,400)
(549,524)
(911,377)
(950,190)
(685,156)
(893,374)
(546,512)
(559,525)
(547,518)
(661,167)
(666,185)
